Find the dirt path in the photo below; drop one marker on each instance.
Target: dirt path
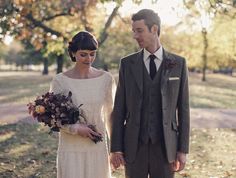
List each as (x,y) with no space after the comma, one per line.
(200,118)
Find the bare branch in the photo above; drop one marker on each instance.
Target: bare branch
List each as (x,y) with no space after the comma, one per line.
(85,22)
(43,26)
(104,33)
(57,15)
(122,19)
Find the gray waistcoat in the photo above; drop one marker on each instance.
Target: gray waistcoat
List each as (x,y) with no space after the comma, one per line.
(151,114)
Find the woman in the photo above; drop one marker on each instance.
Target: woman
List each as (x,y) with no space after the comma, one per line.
(78,156)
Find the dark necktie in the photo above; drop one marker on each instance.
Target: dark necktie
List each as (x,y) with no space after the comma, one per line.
(152,66)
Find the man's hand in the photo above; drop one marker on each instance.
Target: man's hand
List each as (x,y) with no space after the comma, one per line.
(179,163)
(117,159)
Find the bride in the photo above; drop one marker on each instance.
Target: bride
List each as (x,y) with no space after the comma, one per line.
(78,156)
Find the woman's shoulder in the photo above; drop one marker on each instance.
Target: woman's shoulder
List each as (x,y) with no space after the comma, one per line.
(58,76)
(108,75)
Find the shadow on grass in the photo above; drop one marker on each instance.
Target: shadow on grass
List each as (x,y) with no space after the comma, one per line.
(27,150)
(15,88)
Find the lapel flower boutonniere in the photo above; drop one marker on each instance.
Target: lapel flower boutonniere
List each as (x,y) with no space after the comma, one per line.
(169,64)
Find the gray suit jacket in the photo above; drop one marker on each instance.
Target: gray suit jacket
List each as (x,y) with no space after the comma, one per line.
(125,118)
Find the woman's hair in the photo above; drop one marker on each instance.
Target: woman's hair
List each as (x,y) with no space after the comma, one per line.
(82,41)
(150,18)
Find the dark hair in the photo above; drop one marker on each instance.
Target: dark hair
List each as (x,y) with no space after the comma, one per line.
(150,18)
(82,41)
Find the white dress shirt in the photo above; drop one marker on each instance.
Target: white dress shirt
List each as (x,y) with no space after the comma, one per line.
(157,60)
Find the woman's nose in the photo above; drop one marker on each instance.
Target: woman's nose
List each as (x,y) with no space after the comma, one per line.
(90,57)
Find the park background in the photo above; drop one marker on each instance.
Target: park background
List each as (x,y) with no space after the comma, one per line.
(34,36)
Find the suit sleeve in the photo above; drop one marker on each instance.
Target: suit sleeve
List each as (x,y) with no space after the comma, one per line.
(183,112)
(118,114)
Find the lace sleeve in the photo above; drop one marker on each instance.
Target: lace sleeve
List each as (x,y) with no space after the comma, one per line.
(109,102)
(56,87)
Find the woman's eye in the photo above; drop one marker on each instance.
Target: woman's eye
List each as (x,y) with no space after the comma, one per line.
(83,55)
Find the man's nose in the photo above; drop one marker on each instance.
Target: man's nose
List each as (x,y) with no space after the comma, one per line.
(135,35)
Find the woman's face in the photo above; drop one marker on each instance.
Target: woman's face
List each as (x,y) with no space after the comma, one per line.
(85,58)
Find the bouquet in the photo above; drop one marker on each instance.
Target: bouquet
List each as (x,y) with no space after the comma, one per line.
(55,110)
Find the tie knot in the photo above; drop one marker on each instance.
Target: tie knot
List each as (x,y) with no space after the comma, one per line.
(152,56)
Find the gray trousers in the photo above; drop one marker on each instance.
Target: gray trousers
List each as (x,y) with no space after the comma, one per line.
(150,162)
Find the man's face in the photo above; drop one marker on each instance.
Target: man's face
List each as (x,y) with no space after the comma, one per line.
(141,34)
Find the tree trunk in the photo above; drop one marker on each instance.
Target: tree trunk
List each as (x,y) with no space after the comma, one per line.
(45,66)
(59,63)
(204,55)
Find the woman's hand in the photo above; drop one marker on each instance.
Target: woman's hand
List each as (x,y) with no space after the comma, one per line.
(84,131)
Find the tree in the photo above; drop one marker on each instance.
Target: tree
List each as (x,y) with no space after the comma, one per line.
(120,42)
(43,22)
(203,11)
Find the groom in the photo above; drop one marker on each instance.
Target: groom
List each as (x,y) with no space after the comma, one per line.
(150,119)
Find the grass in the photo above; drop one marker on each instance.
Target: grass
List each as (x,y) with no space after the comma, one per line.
(27,150)
(22,87)
(212,154)
(219,91)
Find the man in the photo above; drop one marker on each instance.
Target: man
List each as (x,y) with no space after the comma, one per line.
(150,119)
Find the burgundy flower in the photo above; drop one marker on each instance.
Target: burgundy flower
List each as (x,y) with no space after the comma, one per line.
(55,110)
(169,64)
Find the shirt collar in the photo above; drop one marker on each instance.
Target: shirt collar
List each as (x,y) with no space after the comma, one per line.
(158,54)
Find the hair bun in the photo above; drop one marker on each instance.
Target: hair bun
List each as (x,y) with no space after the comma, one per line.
(71,46)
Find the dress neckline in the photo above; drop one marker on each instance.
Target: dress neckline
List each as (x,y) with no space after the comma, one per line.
(84,78)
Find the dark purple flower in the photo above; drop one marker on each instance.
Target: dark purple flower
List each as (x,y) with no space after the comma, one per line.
(169,64)
(59,110)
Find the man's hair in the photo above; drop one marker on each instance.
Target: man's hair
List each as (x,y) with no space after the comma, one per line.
(150,18)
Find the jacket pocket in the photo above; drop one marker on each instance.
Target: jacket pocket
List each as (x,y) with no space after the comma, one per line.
(174,126)
(127,115)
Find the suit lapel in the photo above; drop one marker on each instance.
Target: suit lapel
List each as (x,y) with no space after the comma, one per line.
(167,58)
(137,69)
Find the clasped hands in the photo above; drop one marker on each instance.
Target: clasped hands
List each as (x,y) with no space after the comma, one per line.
(117,159)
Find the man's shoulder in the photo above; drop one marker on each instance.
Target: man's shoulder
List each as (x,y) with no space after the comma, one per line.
(173,55)
(131,56)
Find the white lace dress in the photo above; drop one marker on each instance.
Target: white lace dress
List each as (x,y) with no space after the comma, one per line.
(79,157)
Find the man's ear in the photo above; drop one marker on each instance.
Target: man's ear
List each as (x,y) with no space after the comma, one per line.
(154,29)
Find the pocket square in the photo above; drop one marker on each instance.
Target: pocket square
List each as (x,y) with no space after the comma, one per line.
(173,78)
